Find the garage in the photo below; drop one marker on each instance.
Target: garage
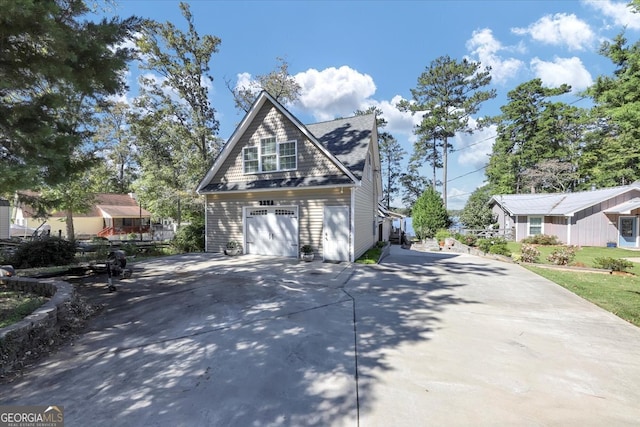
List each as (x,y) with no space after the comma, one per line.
(271,230)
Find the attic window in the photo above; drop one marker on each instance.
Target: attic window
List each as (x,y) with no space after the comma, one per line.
(270,156)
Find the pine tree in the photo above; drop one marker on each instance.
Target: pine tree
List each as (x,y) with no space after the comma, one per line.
(448,93)
(47,52)
(532,130)
(612,156)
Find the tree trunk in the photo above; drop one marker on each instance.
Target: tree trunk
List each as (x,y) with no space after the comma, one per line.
(444,173)
(70,230)
(435,158)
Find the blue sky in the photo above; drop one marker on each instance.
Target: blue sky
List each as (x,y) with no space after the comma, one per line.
(349,55)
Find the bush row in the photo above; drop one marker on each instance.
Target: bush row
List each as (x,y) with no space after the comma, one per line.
(53,251)
(493,245)
(564,255)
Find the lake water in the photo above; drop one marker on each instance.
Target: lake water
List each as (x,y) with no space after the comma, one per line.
(408,225)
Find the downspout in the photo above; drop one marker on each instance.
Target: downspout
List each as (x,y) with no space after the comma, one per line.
(568,230)
(352,225)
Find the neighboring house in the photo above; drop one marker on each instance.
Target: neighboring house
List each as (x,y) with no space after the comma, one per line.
(5,216)
(388,228)
(111,216)
(278,185)
(587,218)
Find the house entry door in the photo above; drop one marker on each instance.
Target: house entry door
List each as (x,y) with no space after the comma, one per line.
(628,226)
(335,229)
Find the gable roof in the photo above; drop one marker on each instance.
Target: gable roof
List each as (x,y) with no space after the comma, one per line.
(344,141)
(113,205)
(347,139)
(625,208)
(106,205)
(557,204)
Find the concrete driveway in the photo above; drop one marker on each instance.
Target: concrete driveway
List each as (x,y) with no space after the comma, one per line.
(422,339)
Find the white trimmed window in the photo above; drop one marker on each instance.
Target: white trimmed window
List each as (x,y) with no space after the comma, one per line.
(535,225)
(270,156)
(250,159)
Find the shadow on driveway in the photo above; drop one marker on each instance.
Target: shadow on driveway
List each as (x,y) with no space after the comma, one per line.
(203,339)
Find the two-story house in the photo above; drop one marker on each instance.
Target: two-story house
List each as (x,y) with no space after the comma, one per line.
(278,184)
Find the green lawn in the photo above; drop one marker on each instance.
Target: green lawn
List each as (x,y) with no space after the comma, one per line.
(371,256)
(618,294)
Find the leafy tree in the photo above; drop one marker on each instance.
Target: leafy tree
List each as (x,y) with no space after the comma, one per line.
(174,123)
(278,83)
(45,46)
(74,197)
(448,93)
(533,130)
(612,156)
(551,175)
(477,213)
(182,60)
(429,214)
(73,194)
(115,145)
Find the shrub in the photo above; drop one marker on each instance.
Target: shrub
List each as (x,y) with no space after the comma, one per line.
(541,239)
(494,245)
(442,234)
(189,238)
(467,239)
(48,252)
(613,264)
(563,255)
(129,248)
(529,253)
(5,256)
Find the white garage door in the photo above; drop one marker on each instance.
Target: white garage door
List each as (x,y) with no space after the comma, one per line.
(272,231)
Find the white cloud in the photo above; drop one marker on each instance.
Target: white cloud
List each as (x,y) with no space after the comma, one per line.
(620,12)
(474,150)
(398,122)
(333,92)
(485,47)
(121,98)
(244,80)
(560,29)
(562,71)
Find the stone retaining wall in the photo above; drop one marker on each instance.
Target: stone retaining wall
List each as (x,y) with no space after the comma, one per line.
(452,245)
(39,327)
